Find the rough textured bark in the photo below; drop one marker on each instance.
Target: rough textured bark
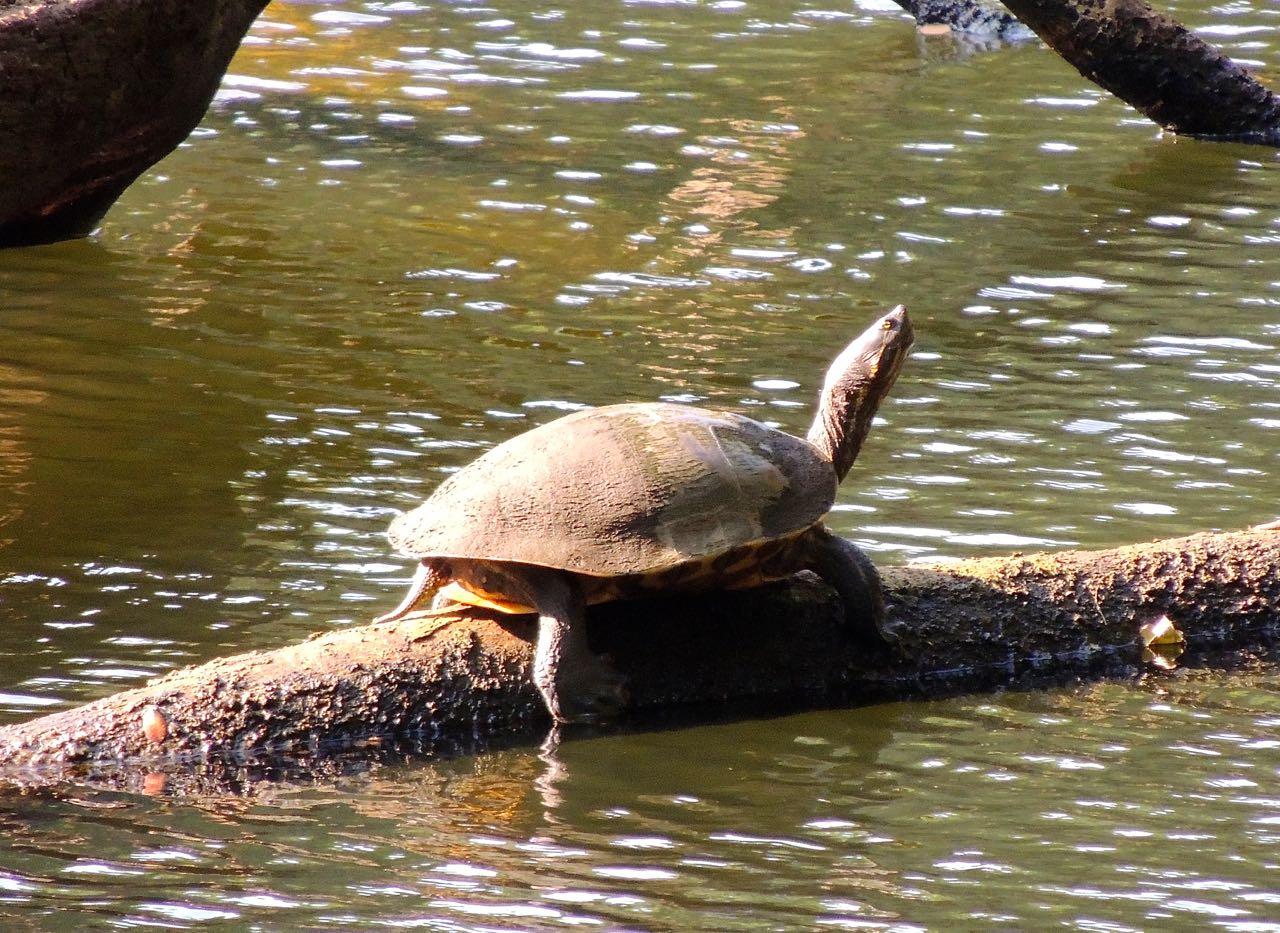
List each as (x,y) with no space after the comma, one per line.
(93,93)
(452,682)
(1156,65)
(97,91)
(1146,58)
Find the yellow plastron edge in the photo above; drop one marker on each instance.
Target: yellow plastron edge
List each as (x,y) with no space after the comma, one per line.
(460,594)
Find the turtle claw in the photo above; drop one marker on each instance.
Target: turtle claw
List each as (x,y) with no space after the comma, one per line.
(577,684)
(844,567)
(594,699)
(593,693)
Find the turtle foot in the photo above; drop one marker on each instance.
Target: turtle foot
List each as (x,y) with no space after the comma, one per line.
(852,574)
(577,684)
(594,691)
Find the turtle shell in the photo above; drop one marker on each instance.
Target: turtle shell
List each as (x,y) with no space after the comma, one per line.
(624,489)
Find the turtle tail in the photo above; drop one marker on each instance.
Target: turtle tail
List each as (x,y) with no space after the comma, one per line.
(428,578)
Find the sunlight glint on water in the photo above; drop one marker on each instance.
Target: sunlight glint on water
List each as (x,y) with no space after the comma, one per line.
(405,233)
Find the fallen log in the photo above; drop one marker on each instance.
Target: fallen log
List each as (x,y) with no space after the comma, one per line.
(98,91)
(974,20)
(1146,58)
(1157,66)
(95,92)
(453,681)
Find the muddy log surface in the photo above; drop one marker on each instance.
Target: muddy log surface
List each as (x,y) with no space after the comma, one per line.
(460,681)
(95,92)
(1156,65)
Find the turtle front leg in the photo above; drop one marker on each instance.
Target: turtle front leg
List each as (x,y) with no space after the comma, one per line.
(577,685)
(850,572)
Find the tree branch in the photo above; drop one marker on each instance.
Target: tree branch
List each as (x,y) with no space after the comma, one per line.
(95,92)
(1146,58)
(1156,65)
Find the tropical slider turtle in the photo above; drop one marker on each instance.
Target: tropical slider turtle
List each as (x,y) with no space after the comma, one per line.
(647,499)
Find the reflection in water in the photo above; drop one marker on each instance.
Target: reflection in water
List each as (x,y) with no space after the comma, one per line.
(918,814)
(16,392)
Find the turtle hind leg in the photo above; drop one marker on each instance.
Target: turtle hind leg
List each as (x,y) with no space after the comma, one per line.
(843,566)
(427,580)
(576,684)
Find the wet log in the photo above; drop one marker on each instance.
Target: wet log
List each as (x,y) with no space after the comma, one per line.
(98,91)
(95,92)
(1157,66)
(1146,58)
(451,682)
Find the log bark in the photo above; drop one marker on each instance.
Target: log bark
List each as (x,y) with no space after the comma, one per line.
(1146,58)
(95,92)
(453,682)
(1156,65)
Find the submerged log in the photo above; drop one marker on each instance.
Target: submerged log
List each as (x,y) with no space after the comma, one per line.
(95,92)
(454,681)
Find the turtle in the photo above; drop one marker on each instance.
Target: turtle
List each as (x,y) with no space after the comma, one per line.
(646,499)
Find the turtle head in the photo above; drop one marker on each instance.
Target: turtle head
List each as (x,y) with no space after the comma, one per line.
(856,384)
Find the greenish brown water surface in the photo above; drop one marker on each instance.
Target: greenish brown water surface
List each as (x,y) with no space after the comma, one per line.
(406,232)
